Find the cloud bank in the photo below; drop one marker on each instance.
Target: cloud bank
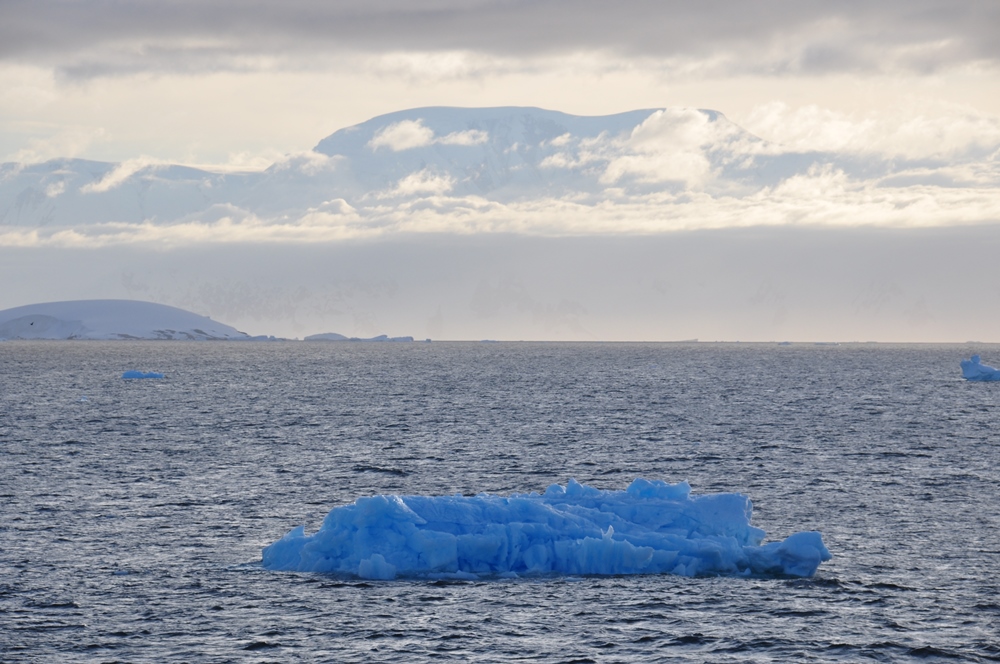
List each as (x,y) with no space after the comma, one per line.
(773,36)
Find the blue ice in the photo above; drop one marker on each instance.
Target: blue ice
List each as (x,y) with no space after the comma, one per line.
(129,375)
(652,527)
(974,369)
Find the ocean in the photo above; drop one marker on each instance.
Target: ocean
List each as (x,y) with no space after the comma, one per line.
(133,513)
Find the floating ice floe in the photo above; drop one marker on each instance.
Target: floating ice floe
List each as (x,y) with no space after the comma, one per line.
(131,375)
(974,369)
(650,528)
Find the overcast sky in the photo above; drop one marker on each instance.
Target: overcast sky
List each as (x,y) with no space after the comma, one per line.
(241,84)
(242,81)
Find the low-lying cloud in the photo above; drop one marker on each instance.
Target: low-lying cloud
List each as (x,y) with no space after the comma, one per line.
(410,134)
(820,198)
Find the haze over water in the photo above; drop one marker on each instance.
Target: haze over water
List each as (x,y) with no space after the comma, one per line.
(133,512)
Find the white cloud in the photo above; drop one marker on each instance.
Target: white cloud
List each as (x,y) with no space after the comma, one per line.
(923,130)
(245,161)
(689,167)
(403,135)
(422,182)
(468,137)
(674,145)
(560,141)
(309,162)
(409,134)
(335,206)
(560,160)
(120,174)
(822,197)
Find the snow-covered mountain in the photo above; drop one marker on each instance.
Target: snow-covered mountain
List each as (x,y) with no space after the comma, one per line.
(505,155)
(110,319)
(509,169)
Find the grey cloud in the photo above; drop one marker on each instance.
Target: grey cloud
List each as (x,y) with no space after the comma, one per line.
(105,37)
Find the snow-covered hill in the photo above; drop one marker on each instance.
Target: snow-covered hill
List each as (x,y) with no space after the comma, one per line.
(110,319)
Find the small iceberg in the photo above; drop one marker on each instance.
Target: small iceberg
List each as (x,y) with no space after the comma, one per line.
(651,527)
(132,375)
(974,369)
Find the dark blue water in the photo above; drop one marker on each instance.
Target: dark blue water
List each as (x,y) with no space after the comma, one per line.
(132,513)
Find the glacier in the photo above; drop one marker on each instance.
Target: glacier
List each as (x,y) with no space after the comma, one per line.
(651,527)
(974,369)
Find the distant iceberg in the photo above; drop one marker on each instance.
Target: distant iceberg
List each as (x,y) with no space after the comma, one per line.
(650,528)
(333,336)
(974,369)
(131,375)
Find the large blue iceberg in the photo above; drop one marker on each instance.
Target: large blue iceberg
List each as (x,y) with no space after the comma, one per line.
(974,369)
(650,528)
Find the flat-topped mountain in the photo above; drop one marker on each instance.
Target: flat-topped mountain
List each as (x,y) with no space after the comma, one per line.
(110,319)
(419,157)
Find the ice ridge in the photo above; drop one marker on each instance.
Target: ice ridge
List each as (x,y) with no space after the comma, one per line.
(651,527)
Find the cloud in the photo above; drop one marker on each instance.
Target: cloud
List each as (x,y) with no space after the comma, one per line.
(947,132)
(673,145)
(62,142)
(467,138)
(823,197)
(307,162)
(777,36)
(670,146)
(119,174)
(244,161)
(403,135)
(422,182)
(409,134)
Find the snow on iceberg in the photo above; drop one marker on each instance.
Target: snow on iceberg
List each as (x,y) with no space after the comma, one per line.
(974,369)
(650,528)
(131,375)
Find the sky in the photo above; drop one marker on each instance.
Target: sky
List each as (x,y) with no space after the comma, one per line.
(242,84)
